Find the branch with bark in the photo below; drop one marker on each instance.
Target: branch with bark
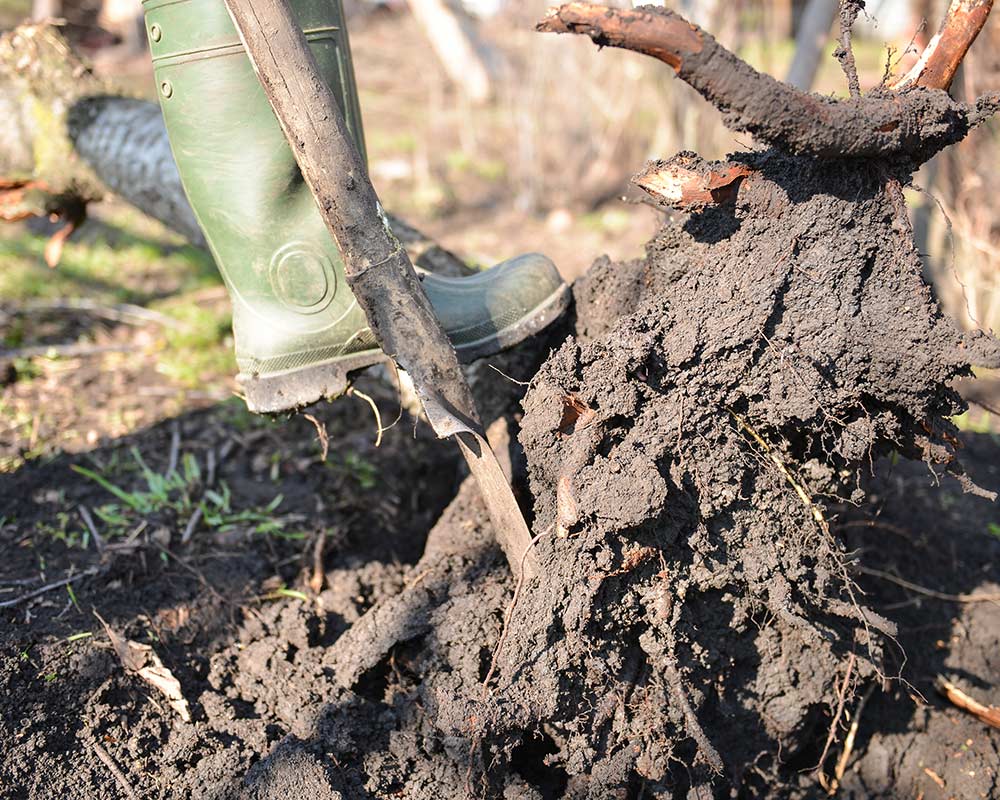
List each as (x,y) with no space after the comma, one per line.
(944,54)
(376,265)
(911,124)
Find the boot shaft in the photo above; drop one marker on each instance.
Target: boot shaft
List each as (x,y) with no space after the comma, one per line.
(189,31)
(299,332)
(279,262)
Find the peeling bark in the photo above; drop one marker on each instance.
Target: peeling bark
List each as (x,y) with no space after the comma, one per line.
(688,183)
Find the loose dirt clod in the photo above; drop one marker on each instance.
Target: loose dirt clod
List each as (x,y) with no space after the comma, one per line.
(144,662)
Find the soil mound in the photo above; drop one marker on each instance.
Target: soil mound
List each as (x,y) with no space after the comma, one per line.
(697,451)
(694,451)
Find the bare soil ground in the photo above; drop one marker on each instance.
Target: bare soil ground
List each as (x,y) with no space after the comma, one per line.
(253,626)
(691,637)
(267,719)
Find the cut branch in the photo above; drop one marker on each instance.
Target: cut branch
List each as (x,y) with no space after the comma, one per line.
(944,54)
(913,124)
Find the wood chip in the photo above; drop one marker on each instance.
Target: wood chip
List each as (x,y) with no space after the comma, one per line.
(988,714)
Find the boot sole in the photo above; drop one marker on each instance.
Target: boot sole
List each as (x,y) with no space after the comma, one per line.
(287,391)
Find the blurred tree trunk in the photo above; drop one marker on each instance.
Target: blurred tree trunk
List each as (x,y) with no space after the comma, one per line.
(463,54)
(810,42)
(124,19)
(781,14)
(45,9)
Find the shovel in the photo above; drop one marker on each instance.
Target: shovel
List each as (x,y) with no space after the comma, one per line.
(377,267)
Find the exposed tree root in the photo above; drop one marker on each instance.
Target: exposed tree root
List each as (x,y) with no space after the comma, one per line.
(912,124)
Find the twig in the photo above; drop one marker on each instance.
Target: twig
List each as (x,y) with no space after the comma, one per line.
(988,714)
(845,52)
(88,520)
(210,466)
(192,523)
(675,684)
(510,609)
(814,509)
(321,434)
(693,727)
(119,776)
(505,375)
(852,733)
(198,574)
(977,597)
(377,268)
(49,587)
(941,58)
(318,574)
(175,448)
(127,313)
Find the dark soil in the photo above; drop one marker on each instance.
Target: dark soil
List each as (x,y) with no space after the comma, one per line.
(700,450)
(761,540)
(253,671)
(724,517)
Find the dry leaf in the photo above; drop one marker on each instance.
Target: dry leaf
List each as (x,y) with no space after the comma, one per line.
(143,661)
(575,415)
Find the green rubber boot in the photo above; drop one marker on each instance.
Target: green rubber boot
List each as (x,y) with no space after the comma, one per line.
(298,329)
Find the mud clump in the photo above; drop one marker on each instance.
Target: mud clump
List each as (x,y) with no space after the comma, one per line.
(692,450)
(702,612)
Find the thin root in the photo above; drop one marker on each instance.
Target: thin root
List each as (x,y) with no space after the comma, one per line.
(841,696)
(354,392)
(852,734)
(510,609)
(975,597)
